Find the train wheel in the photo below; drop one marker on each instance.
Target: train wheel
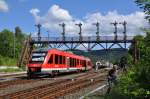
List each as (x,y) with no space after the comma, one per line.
(29,75)
(78,70)
(52,75)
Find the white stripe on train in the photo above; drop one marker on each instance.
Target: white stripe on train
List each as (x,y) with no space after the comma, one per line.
(50,69)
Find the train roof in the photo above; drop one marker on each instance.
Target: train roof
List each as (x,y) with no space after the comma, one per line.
(59,51)
(64,52)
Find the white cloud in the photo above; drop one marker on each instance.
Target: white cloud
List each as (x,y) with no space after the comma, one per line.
(3,6)
(57,15)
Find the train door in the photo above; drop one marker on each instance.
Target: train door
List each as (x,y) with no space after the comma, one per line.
(67,62)
(87,65)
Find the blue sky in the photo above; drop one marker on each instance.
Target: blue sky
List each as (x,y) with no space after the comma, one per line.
(18,12)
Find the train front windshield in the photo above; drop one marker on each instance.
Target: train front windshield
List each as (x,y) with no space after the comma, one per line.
(38,57)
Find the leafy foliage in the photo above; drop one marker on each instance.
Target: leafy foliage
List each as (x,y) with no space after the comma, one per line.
(136,82)
(10,46)
(145,5)
(106,55)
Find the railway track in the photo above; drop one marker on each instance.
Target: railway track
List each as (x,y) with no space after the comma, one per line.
(12,75)
(58,88)
(8,83)
(15,82)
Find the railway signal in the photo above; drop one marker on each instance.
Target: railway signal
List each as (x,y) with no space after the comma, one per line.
(115,32)
(80,32)
(125,29)
(97,32)
(63,28)
(124,23)
(39,31)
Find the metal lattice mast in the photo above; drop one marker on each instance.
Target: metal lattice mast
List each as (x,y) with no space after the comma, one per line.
(125,29)
(48,34)
(97,32)
(63,28)
(39,31)
(80,32)
(115,32)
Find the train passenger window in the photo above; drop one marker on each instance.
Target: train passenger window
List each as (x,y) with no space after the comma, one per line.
(77,62)
(51,59)
(71,62)
(80,62)
(56,59)
(60,59)
(64,60)
(74,62)
(84,63)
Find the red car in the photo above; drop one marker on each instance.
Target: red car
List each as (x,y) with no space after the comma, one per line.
(54,61)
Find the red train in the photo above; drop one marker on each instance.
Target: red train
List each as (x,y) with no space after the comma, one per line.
(54,61)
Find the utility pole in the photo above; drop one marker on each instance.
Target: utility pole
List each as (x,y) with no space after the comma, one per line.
(48,35)
(115,32)
(39,31)
(63,32)
(80,32)
(14,45)
(97,32)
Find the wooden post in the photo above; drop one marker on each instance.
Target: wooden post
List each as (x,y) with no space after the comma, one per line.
(135,51)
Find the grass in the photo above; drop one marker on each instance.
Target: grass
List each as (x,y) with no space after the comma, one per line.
(6,61)
(9,62)
(11,70)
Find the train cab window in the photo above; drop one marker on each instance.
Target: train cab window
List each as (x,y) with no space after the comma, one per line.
(60,59)
(56,59)
(51,59)
(38,57)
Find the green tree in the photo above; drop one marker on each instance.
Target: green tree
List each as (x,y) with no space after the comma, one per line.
(145,5)
(10,46)
(18,31)
(6,43)
(19,39)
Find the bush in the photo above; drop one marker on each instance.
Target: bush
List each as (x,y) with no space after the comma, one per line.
(135,84)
